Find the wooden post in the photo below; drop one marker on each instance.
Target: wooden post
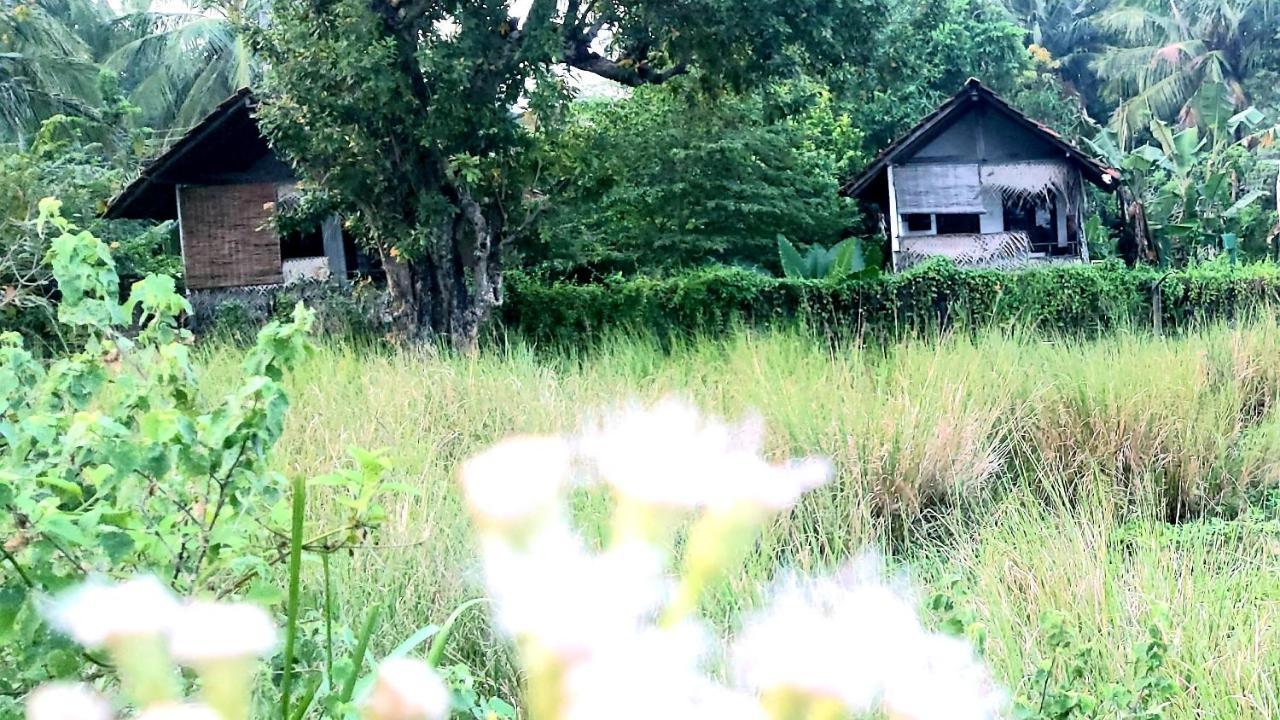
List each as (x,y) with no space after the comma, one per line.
(331,231)
(182,244)
(893,220)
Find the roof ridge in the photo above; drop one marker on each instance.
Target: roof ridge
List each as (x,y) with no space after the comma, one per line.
(973,88)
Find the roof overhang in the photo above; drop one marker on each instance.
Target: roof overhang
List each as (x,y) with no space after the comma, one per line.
(936,122)
(150,195)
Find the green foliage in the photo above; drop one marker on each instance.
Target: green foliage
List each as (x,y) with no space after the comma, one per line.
(429,164)
(841,260)
(1190,62)
(924,53)
(172,66)
(66,161)
(113,465)
(469,701)
(1195,190)
(1086,299)
(1064,685)
(664,179)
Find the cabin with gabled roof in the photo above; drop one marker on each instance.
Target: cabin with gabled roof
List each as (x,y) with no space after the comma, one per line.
(223,183)
(981,183)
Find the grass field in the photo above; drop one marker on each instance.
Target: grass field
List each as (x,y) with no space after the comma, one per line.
(1111,483)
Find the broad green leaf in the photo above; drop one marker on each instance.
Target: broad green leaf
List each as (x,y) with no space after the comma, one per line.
(793,265)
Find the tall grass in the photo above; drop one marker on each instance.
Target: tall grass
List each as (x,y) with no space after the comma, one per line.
(1034,474)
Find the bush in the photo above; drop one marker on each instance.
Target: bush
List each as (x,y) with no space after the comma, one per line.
(1074,299)
(113,463)
(353,310)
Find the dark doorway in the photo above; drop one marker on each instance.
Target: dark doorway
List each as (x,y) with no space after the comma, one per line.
(1038,218)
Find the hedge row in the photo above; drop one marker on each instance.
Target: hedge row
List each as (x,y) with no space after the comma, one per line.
(1078,299)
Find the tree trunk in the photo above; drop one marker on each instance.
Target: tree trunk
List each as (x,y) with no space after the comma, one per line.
(451,288)
(1137,235)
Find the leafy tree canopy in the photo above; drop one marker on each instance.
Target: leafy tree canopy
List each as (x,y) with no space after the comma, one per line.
(408,112)
(661,180)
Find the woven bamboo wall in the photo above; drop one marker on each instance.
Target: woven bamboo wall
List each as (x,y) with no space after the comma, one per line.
(227,238)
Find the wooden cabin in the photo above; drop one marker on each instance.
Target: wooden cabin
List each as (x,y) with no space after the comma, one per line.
(980,183)
(222,183)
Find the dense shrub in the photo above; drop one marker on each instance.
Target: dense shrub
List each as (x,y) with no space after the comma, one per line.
(662,180)
(1076,299)
(350,309)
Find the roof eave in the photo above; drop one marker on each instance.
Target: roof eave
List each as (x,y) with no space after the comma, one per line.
(1097,173)
(122,201)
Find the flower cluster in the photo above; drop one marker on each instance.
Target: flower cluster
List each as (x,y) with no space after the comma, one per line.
(615,631)
(146,630)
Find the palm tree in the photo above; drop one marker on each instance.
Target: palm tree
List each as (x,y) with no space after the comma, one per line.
(1183,60)
(174,66)
(46,66)
(1068,30)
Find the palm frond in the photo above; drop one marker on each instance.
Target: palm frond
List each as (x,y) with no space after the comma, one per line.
(1162,99)
(1138,24)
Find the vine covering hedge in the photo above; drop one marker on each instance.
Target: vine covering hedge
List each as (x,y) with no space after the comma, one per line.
(1082,299)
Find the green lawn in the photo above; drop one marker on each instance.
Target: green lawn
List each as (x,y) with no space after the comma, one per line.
(1111,483)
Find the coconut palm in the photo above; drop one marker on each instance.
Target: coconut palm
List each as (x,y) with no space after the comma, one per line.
(173,65)
(46,66)
(1068,30)
(1183,60)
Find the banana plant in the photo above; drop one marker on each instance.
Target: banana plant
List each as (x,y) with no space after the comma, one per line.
(1187,186)
(819,263)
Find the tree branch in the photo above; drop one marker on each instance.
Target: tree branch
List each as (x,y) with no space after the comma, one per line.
(629,72)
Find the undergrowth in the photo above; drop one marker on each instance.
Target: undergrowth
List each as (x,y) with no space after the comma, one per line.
(1103,511)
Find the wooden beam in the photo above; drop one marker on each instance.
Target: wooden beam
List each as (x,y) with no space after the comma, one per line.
(331,231)
(182,243)
(894,220)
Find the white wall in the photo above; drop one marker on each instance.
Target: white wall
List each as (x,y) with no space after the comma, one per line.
(993,218)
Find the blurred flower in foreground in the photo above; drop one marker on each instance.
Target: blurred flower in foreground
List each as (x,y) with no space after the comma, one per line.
(614,632)
(222,642)
(131,620)
(569,601)
(209,632)
(863,648)
(516,481)
(407,689)
(98,614)
(670,456)
(67,701)
(179,711)
(145,628)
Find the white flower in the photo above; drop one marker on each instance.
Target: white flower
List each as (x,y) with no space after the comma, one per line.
(670,456)
(800,644)
(516,479)
(653,673)
(571,601)
(97,613)
(942,679)
(67,701)
(858,640)
(178,711)
(206,632)
(407,689)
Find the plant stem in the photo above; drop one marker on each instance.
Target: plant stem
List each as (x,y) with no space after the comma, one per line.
(436,651)
(328,618)
(291,611)
(362,647)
